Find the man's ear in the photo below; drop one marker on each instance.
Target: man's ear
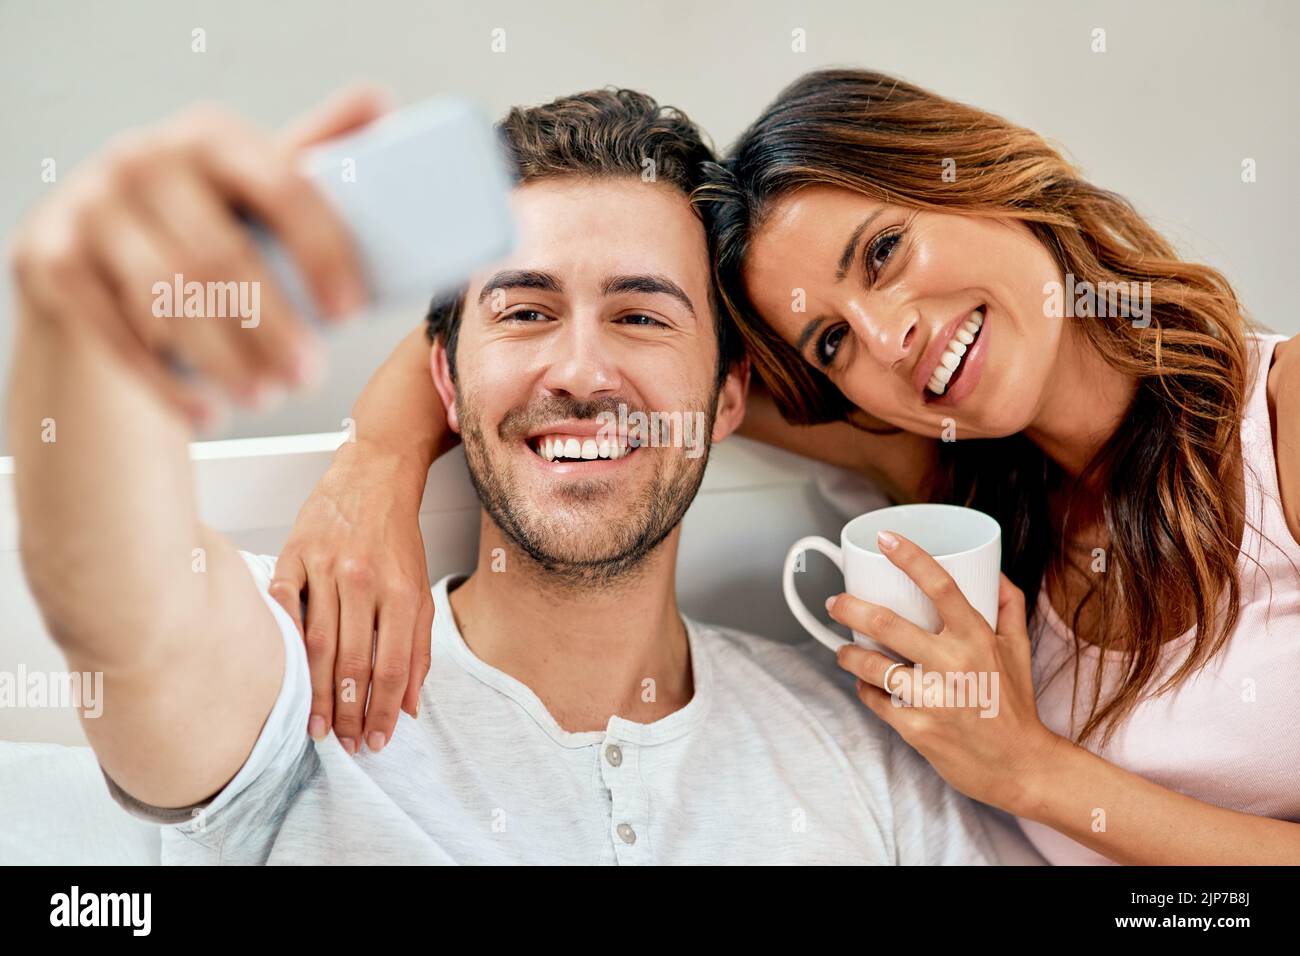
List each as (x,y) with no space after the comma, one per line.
(440,368)
(731,400)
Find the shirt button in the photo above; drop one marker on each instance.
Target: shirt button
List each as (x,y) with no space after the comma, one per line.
(614,754)
(626,834)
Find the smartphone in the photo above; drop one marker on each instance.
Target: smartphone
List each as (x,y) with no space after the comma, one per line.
(424,192)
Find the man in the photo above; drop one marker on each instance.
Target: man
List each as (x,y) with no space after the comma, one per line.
(570,714)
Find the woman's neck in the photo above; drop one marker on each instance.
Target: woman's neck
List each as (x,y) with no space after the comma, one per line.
(1083,407)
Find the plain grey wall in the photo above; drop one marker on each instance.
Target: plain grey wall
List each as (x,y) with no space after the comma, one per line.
(1183,93)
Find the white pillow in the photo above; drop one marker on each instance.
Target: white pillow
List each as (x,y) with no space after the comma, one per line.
(55,809)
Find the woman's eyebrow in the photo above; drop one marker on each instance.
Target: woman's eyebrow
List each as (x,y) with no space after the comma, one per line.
(850,247)
(809,331)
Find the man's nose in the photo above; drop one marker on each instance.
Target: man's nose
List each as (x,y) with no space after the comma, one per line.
(887,328)
(580,364)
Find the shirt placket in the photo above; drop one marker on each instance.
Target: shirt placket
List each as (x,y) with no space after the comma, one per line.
(630,817)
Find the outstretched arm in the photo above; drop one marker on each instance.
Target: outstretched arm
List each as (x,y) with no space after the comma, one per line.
(129,581)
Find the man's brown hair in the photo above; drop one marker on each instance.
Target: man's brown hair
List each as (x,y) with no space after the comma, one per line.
(601,134)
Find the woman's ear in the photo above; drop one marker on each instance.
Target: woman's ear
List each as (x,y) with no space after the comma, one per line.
(440,368)
(731,400)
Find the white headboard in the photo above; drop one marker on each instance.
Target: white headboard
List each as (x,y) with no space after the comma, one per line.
(753,503)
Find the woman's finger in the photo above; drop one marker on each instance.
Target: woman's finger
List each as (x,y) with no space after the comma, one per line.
(355,657)
(1012,619)
(420,657)
(321,637)
(287,585)
(935,583)
(883,625)
(888,708)
(872,667)
(392,669)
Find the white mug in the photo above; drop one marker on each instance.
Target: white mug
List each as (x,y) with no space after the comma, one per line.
(966,543)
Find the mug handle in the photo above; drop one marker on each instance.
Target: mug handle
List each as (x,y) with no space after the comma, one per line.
(814,627)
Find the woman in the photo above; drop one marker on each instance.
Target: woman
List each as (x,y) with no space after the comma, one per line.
(932,296)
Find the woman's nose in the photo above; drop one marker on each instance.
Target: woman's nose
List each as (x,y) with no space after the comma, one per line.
(887,331)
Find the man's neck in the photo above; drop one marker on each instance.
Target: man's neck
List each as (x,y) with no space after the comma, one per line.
(588,650)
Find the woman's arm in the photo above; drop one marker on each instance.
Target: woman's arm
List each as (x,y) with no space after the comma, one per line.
(357,557)
(996,749)
(1131,820)
(1283,390)
(900,463)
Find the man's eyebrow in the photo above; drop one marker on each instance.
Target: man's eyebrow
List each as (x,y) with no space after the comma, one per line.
(647,283)
(520,279)
(850,247)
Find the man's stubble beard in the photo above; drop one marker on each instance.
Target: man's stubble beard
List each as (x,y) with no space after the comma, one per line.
(659,509)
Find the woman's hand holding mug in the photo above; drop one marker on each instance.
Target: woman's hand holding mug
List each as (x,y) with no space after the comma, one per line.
(923,584)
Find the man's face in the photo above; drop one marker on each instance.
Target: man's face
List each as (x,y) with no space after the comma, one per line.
(600,317)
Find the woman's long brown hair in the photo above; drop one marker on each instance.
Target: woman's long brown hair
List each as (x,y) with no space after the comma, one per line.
(1166,473)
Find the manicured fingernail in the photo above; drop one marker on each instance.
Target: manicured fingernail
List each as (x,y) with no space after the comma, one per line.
(830,603)
(349,745)
(316,727)
(887,540)
(375,741)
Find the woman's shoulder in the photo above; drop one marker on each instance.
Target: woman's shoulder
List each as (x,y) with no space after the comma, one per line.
(1283,394)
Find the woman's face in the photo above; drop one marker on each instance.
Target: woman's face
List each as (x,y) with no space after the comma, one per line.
(918,317)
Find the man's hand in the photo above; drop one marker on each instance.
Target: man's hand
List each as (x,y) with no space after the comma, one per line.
(129,581)
(356,554)
(166,202)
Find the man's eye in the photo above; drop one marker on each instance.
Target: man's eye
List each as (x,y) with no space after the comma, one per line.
(639,319)
(829,344)
(525,315)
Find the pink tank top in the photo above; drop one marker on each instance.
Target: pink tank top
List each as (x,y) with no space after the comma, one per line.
(1229,735)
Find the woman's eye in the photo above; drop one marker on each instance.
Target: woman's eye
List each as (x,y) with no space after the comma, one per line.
(829,344)
(880,251)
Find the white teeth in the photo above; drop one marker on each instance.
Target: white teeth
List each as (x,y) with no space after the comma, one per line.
(586,449)
(956,350)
